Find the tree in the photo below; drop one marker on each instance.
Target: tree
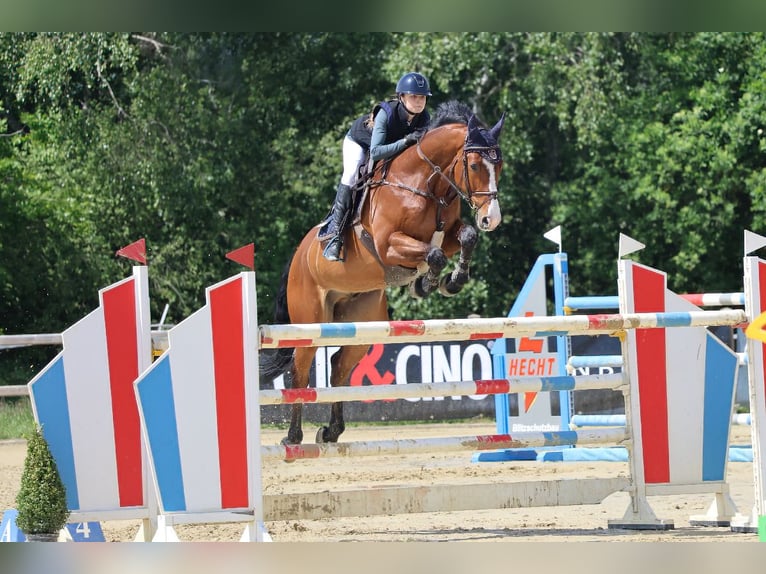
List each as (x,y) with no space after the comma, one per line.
(202,143)
(41,500)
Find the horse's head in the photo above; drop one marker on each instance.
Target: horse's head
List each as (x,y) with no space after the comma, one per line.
(456,138)
(482,164)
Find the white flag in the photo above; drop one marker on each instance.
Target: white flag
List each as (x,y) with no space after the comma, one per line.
(629,245)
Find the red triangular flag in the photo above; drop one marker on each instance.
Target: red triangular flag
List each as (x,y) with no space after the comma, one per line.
(135,251)
(244,256)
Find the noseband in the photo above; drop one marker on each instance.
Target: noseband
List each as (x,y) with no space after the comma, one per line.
(490,153)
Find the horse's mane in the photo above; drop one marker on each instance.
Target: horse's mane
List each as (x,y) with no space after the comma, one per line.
(478,136)
(451,112)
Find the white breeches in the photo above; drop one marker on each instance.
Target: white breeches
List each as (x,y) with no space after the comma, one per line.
(353,157)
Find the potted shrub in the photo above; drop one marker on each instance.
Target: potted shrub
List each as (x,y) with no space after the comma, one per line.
(41,500)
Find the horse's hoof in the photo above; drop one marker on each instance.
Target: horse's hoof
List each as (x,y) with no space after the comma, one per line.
(418,289)
(320,435)
(444,287)
(451,284)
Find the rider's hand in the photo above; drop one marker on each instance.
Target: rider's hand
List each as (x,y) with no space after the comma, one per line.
(414,137)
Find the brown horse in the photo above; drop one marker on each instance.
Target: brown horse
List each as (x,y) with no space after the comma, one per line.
(408,228)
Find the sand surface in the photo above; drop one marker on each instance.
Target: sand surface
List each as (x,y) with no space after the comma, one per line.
(584,523)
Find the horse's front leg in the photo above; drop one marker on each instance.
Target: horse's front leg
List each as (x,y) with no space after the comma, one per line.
(453,283)
(428,258)
(336,426)
(436,260)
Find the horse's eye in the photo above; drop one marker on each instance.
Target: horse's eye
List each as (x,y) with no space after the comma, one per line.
(475,167)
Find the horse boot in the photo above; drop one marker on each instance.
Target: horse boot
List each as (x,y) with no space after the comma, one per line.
(340,208)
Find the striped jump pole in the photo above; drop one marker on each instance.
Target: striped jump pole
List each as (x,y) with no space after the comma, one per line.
(448,444)
(589,303)
(619,420)
(358,333)
(465,388)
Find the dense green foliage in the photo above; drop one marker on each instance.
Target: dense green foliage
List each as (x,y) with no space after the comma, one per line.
(41,500)
(202,143)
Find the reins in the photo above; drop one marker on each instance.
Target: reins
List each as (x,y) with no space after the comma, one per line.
(436,170)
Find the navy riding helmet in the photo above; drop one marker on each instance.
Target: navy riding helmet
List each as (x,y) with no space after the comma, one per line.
(413,83)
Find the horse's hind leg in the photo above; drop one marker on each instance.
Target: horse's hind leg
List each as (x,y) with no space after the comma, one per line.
(343,362)
(369,306)
(452,283)
(295,433)
(300,372)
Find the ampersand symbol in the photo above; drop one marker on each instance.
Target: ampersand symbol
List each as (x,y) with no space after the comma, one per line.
(367,367)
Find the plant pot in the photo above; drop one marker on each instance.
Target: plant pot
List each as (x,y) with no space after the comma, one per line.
(43,537)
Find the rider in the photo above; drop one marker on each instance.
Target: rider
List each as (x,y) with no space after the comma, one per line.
(392,126)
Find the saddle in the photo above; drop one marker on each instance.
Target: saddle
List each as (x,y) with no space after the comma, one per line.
(394,276)
(359,194)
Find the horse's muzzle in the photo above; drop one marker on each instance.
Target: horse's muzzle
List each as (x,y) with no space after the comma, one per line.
(489,217)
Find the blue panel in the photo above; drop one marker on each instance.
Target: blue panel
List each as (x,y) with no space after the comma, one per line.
(9,532)
(720,377)
(49,395)
(85,532)
(155,392)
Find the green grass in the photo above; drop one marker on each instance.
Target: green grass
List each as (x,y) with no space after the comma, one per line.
(16,420)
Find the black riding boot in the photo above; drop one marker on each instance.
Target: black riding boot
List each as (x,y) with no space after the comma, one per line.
(340,209)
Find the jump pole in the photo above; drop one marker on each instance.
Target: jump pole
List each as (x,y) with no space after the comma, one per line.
(362,333)
(613,381)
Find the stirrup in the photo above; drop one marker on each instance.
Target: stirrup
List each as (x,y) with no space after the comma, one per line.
(331,253)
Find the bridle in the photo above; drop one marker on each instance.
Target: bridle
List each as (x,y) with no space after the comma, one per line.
(490,153)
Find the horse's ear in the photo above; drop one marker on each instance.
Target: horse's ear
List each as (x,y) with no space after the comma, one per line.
(473,123)
(495,131)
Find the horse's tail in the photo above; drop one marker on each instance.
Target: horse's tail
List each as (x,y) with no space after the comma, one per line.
(275,362)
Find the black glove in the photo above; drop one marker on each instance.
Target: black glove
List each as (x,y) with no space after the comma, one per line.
(414,137)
